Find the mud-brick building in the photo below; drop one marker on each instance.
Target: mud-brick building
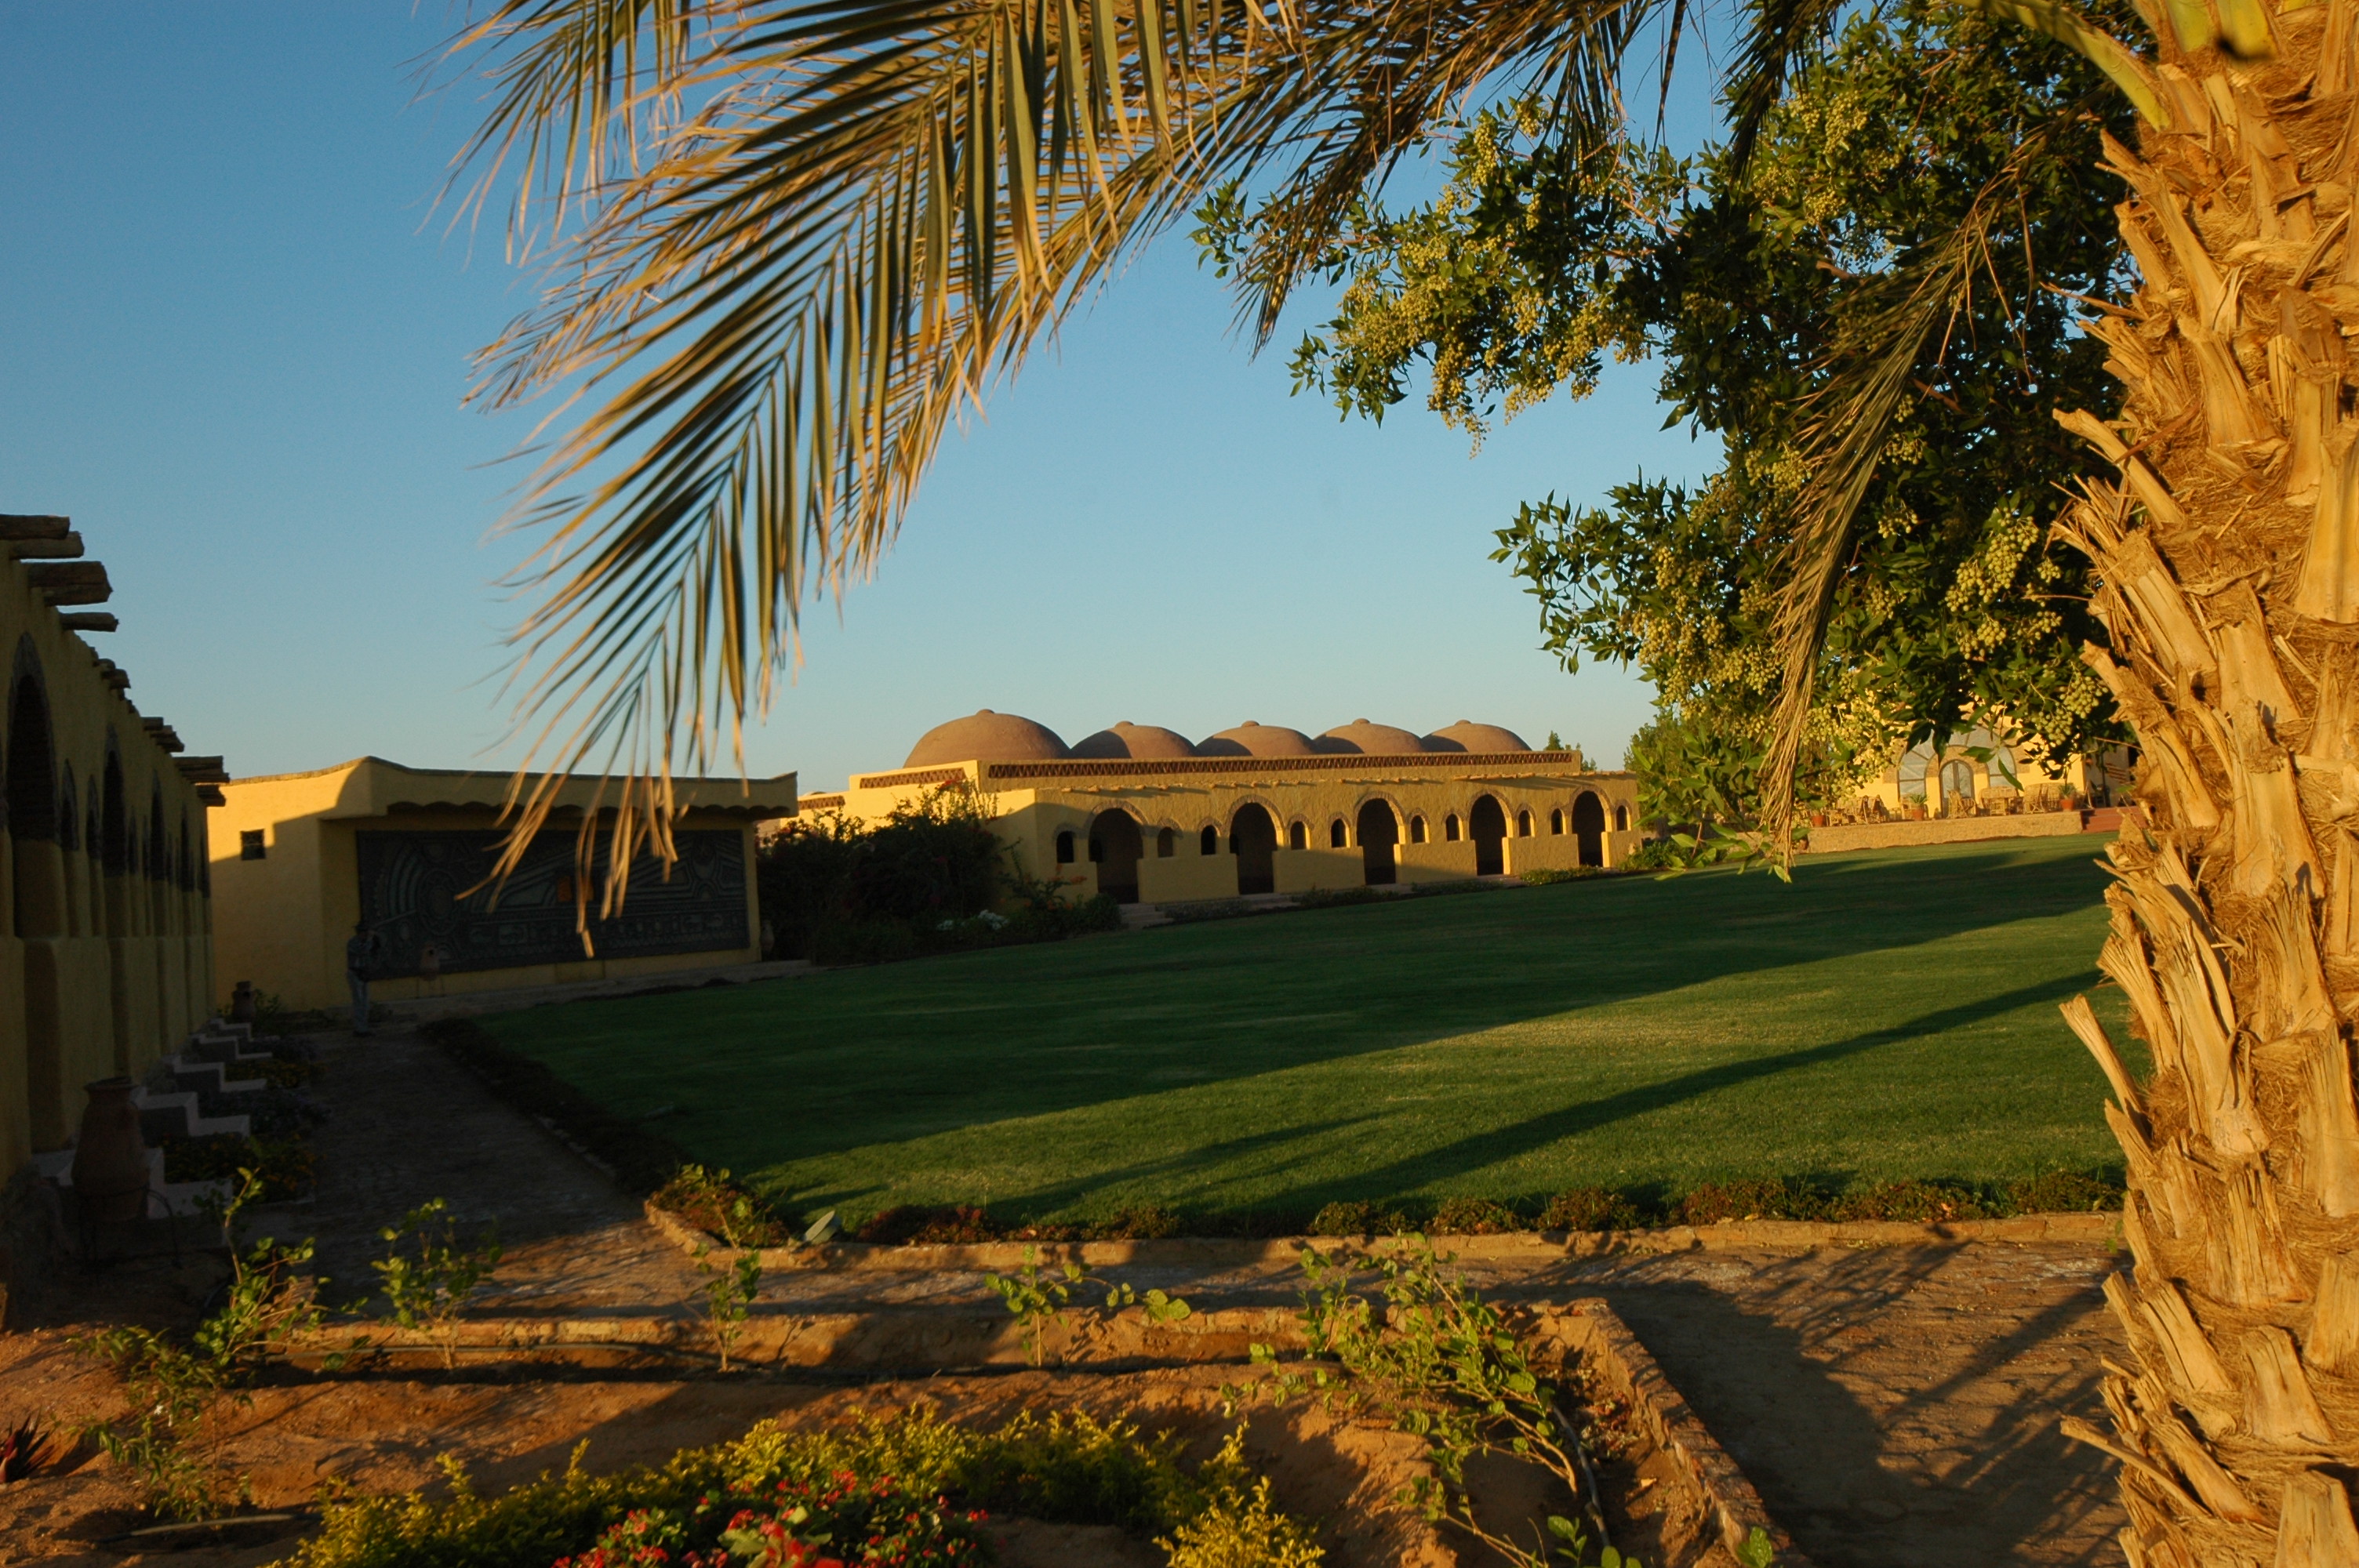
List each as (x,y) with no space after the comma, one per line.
(302,859)
(1144,815)
(106,955)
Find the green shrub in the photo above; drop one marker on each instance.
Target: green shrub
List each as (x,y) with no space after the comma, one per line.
(925,1472)
(1776,1198)
(1591,1208)
(2063,1192)
(1146,1224)
(913,1225)
(716,1204)
(1475,1216)
(1359,1217)
(1922,1202)
(1237,1527)
(284,1164)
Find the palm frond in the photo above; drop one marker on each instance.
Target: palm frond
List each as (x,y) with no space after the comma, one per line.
(811,232)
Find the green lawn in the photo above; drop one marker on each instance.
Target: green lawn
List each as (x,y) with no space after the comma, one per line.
(1888,1015)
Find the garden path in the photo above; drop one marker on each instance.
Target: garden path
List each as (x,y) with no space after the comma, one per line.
(1892,1404)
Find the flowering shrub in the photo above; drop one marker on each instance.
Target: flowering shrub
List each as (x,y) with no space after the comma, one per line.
(903,1491)
(842,1522)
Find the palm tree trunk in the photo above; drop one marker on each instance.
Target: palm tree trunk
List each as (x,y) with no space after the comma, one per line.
(2228,553)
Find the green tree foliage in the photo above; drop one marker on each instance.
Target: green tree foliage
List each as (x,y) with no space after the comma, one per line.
(1544,254)
(932,860)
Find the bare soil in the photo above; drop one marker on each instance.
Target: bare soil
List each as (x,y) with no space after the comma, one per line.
(1891,1404)
(296,1437)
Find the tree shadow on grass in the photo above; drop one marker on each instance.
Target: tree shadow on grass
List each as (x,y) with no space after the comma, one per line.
(1466,1155)
(1054,1197)
(888,1055)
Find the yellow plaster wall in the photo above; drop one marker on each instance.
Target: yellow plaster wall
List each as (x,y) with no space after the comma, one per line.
(1442,863)
(1028,811)
(1305,871)
(281,922)
(92,967)
(1185,874)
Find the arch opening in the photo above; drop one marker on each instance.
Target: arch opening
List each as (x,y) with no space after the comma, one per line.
(1167,844)
(1338,836)
(1253,839)
(1487,826)
(1298,835)
(1450,829)
(1556,821)
(1589,824)
(1416,829)
(1378,833)
(1114,845)
(1523,824)
(1621,819)
(1208,842)
(1065,847)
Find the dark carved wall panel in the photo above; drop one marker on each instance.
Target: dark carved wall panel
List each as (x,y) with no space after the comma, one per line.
(414,890)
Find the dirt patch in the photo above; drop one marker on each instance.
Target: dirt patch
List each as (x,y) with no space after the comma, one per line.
(293,1439)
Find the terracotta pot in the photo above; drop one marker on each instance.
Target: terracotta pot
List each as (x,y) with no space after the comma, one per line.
(110,1162)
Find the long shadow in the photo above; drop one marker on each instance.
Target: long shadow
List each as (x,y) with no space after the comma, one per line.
(850,1059)
(1490,1148)
(1857,1474)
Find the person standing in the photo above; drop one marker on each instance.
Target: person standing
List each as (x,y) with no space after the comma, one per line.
(360,956)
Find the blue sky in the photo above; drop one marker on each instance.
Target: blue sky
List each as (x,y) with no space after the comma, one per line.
(236,335)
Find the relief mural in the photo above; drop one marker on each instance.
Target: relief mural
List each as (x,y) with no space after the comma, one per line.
(414,891)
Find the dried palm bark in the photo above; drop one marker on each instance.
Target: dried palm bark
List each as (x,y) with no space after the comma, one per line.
(2228,551)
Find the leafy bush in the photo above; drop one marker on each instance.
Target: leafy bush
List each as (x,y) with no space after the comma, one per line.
(1776,1198)
(932,859)
(1920,1200)
(1147,1224)
(913,1225)
(1475,1217)
(1238,1528)
(1359,1217)
(1591,1208)
(1546,875)
(714,1202)
(284,1164)
(915,1472)
(2063,1192)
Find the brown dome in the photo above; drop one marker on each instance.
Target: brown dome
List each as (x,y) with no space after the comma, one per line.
(1129,739)
(987,737)
(1468,736)
(1370,739)
(1252,739)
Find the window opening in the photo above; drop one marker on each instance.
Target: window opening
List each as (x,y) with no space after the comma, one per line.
(250,846)
(1064,848)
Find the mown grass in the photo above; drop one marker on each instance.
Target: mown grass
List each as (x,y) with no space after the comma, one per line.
(1888,1016)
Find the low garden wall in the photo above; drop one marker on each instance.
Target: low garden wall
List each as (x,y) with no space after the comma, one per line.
(1942,830)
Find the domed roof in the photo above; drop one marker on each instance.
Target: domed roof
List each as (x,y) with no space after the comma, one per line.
(1468,736)
(1370,739)
(1252,739)
(1129,739)
(986,737)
